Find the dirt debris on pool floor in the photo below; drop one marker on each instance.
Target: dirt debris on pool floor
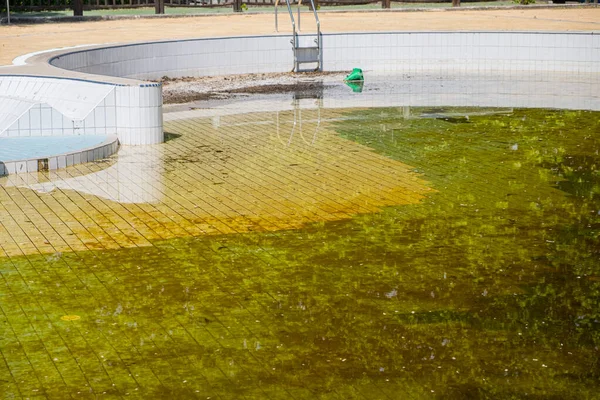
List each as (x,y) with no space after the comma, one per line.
(188,89)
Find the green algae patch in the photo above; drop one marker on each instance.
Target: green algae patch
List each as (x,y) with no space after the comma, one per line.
(486,288)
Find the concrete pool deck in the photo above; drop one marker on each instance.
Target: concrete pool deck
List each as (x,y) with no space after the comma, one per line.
(16,40)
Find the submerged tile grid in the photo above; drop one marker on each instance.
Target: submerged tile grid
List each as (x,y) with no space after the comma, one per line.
(248,174)
(146,289)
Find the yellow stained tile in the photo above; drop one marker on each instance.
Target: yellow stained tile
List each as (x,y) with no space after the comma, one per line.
(247,174)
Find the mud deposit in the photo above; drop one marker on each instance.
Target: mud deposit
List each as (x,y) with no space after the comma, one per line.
(188,89)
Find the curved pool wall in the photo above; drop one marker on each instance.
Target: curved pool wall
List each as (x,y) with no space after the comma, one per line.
(449,52)
(46,105)
(97,90)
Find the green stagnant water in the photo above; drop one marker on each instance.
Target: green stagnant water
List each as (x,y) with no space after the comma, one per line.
(489,288)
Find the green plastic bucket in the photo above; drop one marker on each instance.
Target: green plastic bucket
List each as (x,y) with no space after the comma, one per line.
(355,75)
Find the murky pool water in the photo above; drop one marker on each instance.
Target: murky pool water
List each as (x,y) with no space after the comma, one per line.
(467,267)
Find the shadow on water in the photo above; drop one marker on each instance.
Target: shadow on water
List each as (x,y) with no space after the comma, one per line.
(171,136)
(578,175)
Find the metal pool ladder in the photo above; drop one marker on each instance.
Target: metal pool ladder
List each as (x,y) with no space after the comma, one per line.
(303,53)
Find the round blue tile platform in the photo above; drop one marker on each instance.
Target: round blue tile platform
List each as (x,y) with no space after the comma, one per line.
(39,153)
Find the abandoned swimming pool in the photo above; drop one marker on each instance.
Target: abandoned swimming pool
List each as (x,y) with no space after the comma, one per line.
(377,252)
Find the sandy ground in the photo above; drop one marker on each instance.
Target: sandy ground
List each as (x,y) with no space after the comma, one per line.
(17,40)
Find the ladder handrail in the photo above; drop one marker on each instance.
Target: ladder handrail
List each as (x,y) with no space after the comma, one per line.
(312,4)
(295,40)
(314,9)
(289,11)
(288,3)
(294,33)
(298,4)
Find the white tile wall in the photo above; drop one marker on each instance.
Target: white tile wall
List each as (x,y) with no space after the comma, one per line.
(186,58)
(457,51)
(23,113)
